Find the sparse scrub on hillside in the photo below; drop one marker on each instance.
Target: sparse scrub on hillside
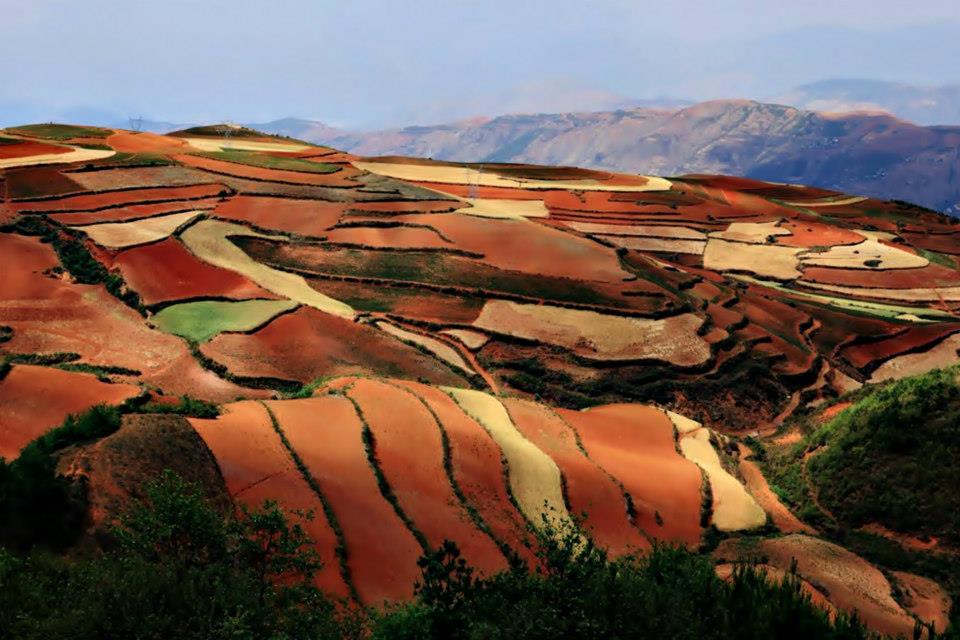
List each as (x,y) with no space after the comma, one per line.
(185,406)
(53,131)
(264,161)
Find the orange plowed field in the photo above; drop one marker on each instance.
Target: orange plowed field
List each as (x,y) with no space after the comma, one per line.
(29,148)
(309,344)
(166,271)
(807,233)
(389,237)
(410,454)
(109,199)
(290,215)
(257,467)
(381,552)
(33,400)
(589,489)
(343,178)
(135,211)
(635,445)
(933,275)
(867,356)
(478,469)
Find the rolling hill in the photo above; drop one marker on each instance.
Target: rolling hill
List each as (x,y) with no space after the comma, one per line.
(415,351)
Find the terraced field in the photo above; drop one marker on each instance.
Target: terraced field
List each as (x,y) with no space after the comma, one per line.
(417,350)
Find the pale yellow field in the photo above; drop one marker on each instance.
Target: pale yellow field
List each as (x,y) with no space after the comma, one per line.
(440,349)
(734,509)
(509,209)
(644,230)
(853,256)
(127,234)
(910,364)
(682,423)
(751,232)
(534,476)
(77,155)
(461,175)
(599,336)
(209,241)
(771,261)
(239,144)
(947,294)
(472,340)
(813,204)
(663,245)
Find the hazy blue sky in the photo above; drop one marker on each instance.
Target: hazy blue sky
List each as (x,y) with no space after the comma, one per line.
(375,62)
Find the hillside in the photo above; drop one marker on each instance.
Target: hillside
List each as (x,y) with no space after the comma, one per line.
(870,154)
(417,351)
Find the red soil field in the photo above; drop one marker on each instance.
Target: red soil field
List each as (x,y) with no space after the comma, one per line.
(868,356)
(302,217)
(408,302)
(381,552)
(51,315)
(807,233)
(942,243)
(343,178)
(309,344)
(166,271)
(410,454)
(257,467)
(836,328)
(634,443)
(29,148)
(39,182)
(108,199)
(478,468)
(933,275)
(589,489)
(144,142)
(405,206)
(528,247)
(389,237)
(33,400)
(135,211)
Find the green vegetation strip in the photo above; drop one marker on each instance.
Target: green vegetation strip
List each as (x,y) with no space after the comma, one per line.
(202,320)
(59,131)
(264,161)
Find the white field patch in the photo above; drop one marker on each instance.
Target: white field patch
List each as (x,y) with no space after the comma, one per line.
(683,424)
(942,355)
(600,336)
(767,260)
(209,240)
(734,509)
(439,349)
(938,294)
(642,230)
(76,155)
(751,232)
(472,340)
(813,204)
(239,144)
(451,174)
(534,477)
(855,256)
(508,209)
(661,245)
(116,235)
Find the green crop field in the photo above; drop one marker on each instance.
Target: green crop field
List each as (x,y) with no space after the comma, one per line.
(200,321)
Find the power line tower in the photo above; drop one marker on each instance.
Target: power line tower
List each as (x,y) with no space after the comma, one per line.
(228,127)
(136,124)
(473,182)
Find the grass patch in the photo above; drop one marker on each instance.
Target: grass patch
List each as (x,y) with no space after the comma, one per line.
(936,257)
(200,321)
(186,406)
(264,161)
(52,131)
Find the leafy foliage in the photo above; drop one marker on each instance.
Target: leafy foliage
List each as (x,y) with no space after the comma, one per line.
(186,406)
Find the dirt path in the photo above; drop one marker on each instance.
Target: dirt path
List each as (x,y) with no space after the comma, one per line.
(811,488)
(757,485)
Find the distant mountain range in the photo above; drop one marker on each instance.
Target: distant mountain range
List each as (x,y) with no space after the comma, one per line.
(871,154)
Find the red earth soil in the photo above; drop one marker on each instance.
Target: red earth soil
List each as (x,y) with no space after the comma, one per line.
(836,328)
(135,211)
(24,149)
(410,454)
(478,468)
(806,233)
(389,237)
(407,302)
(108,199)
(933,275)
(33,400)
(635,445)
(309,344)
(257,467)
(343,178)
(381,552)
(832,411)
(589,489)
(941,242)
(166,271)
(405,206)
(868,356)
(39,182)
(302,217)
(144,142)
(51,315)
(528,247)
